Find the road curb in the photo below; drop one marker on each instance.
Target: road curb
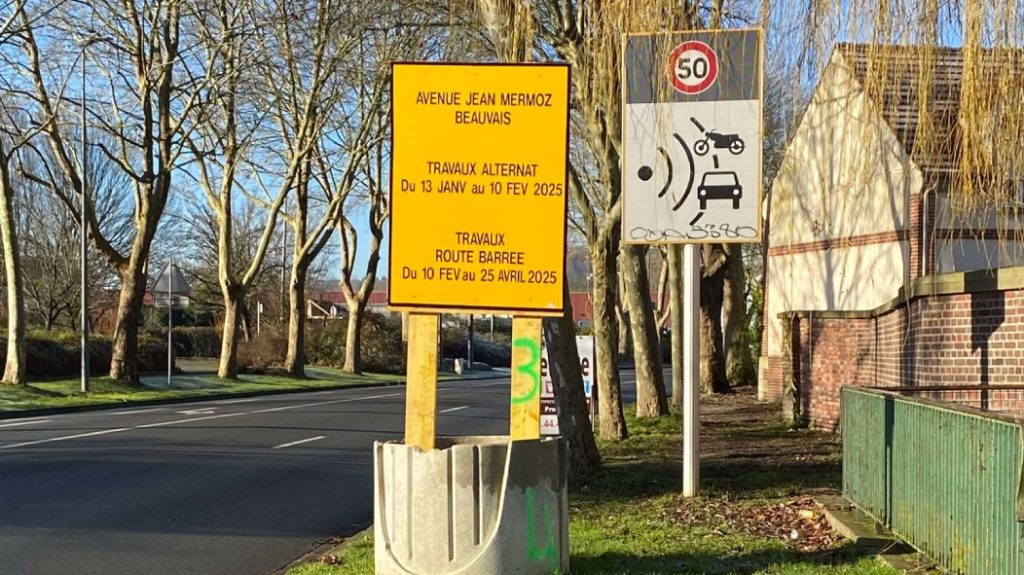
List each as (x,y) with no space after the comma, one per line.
(26,413)
(332,546)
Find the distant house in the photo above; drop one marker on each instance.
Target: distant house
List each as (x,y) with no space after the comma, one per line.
(861,205)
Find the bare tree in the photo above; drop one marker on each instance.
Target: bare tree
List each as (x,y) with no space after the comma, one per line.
(247,227)
(221,143)
(317,112)
(357,298)
(739,360)
(149,94)
(507,24)
(712,352)
(48,234)
(588,35)
(651,400)
(399,35)
(14,135)
(14,368)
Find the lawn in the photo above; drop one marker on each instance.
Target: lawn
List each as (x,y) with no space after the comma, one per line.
(755,515)
(103,390)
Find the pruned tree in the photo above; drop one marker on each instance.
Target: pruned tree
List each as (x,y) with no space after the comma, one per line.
(713,377)
(14,135)
(11,139)
(508,24)
(374,177)
(739,358)
(316,107)
(221,144)
(651,399)
(588,36)
(148,97)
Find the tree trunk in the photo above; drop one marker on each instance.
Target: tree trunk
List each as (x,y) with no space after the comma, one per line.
(124,362)
(14,370)
(228,368)
(245,321)
(623,317)
(675,290)
(295,360)
(712,354)
(570,398)
(650,382)
(354,338)
(739,363)
(609,386)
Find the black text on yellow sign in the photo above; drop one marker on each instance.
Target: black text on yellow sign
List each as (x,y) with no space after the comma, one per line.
(478,187)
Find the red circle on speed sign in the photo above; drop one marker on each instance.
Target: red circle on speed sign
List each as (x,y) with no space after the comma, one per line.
(693,66)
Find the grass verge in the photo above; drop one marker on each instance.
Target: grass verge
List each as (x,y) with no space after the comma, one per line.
(755,515)
(103,390)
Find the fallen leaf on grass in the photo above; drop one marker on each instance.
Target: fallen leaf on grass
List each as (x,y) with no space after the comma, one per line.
(798,523)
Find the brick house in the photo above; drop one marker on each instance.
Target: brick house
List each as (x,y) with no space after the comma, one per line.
(860,218)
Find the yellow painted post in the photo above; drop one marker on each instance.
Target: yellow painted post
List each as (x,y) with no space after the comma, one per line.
(421,381)
(524,418)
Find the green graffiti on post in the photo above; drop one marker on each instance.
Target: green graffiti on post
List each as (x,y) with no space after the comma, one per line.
(536,553)
(529,368)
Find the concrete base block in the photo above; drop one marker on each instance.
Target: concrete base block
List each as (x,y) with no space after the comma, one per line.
(474,506)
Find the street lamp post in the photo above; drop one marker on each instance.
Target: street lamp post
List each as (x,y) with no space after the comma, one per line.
(83,255)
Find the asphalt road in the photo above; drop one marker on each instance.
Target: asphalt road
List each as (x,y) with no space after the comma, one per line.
(226,487)
(229,487)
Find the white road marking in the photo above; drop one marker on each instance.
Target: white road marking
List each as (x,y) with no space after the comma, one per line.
(299,442)
(28,422)
(202,411)
(62,438)
(320,403)
(454,409)
(189,420)
(229,401)
(134,411)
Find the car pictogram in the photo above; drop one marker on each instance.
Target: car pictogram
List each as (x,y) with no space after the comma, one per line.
(719,186)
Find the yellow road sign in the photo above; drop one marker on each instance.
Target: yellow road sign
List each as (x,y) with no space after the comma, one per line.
(478,187)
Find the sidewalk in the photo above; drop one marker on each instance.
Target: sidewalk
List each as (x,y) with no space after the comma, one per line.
(756,514)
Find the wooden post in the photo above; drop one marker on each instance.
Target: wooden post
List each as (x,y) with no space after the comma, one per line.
(524,417)
(421,381)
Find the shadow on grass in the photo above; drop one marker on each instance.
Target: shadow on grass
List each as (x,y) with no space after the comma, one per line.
(629,480)
(741,478)
(707,564)
(738,479)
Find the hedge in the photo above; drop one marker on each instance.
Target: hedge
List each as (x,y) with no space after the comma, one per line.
(57,354)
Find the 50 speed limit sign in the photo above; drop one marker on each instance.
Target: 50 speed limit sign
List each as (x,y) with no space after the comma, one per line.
(693,66)
(691,162)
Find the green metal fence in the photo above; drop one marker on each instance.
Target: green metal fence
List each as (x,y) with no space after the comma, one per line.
(944,478)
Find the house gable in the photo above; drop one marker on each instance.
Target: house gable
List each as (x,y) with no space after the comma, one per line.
(840,207)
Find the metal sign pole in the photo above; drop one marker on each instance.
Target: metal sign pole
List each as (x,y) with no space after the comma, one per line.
(691,373)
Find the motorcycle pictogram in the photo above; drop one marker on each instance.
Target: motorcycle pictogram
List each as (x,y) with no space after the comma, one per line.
(732,142)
